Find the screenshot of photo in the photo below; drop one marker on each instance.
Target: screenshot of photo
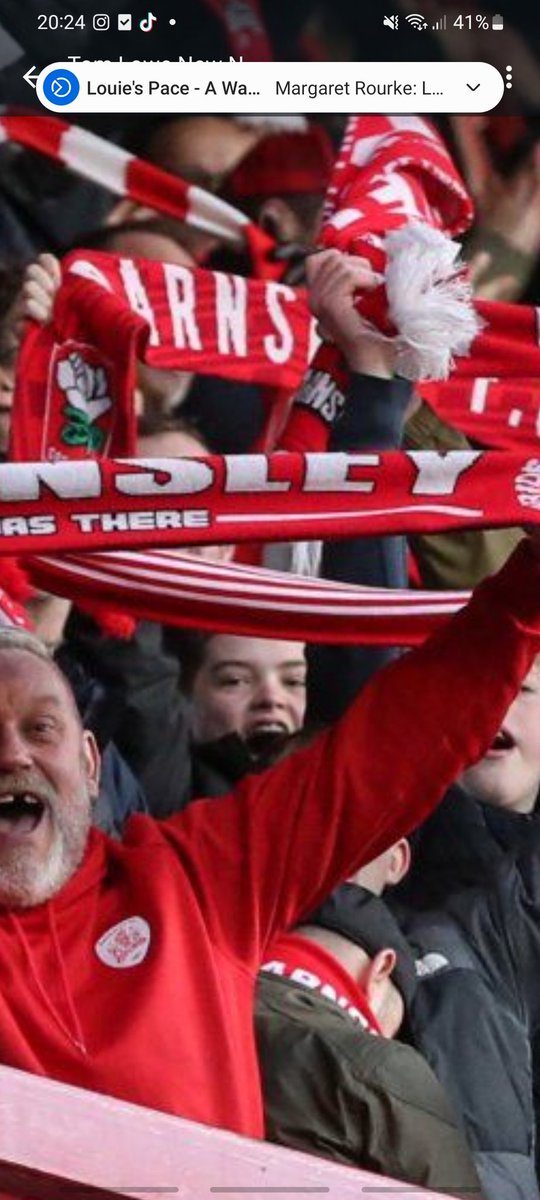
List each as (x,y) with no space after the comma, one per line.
(269,599)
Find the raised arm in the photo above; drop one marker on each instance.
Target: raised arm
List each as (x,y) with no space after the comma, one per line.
(285,838)
(372,419)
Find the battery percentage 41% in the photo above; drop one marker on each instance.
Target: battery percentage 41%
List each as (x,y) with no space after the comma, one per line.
(469,20)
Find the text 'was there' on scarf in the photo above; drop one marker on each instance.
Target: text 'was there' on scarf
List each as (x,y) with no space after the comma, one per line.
(116,504)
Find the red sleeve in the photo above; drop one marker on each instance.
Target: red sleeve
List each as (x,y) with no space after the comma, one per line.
(263,856)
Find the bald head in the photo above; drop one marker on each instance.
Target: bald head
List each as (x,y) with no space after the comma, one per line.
(14,640)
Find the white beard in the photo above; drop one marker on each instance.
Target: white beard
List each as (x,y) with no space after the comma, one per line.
(24,883)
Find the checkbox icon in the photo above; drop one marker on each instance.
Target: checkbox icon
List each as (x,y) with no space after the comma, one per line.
(125,21)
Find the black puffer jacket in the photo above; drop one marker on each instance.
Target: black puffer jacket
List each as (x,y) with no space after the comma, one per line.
(477,1009)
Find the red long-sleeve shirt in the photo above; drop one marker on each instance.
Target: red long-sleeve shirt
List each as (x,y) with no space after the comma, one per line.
(137,978)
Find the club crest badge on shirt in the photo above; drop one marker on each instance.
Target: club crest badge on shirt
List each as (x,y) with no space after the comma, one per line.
(125,944)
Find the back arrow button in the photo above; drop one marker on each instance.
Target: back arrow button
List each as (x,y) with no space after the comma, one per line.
(30,78)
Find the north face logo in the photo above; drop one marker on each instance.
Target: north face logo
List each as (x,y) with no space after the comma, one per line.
(125,944)
(430,964)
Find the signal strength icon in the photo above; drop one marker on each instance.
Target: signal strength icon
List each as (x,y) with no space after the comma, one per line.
(440,24)
(416,20)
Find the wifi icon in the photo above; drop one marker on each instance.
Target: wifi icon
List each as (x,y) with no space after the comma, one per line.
(416,20)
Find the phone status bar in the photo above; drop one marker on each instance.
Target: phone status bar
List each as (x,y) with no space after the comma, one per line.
(466,21)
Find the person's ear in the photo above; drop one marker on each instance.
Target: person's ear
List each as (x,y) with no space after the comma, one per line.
(400,861)
(377,971)
(92,763)
(383,997)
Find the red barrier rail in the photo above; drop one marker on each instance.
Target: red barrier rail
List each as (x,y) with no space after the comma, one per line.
(63,1143)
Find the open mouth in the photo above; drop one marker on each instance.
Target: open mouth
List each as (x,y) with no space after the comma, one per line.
(503,741)
(20,813)
(266,739)
(268,727)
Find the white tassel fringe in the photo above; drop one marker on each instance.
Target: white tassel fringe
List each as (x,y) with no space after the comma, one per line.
(429,302)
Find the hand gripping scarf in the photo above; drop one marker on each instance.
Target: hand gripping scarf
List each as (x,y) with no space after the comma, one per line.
(392,171)
(52,525)
(396,198)
(112,311)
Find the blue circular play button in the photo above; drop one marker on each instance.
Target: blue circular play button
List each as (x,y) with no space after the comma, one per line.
(61,86)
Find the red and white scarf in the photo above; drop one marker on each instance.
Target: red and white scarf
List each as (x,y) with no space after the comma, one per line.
(500,413)
(175,589)
(391,172)
(396,198)
(76,375)
(124,174)
(294,495)
(116,504)
(309,965)
(112,311)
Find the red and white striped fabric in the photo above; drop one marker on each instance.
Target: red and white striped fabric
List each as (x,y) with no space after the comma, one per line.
(191,592)
(396,198)
(122,173)
(391,169)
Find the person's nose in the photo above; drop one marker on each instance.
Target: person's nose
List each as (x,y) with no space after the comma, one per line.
(269,693)
(14,751)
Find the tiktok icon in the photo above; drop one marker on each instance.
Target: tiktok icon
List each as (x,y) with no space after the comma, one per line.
(147,22)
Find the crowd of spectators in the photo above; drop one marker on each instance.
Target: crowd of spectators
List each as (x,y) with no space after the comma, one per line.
(356,825)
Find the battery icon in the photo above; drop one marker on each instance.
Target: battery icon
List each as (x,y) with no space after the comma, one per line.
(497,22)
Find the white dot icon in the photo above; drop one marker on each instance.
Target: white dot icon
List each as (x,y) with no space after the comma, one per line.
(172,21)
